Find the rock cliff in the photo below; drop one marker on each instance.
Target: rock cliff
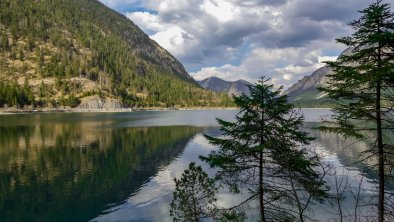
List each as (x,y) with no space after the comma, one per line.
(96,102)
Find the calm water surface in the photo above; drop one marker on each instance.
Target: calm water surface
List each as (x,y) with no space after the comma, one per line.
(120,166)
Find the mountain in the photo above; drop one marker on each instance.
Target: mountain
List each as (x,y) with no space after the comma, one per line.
(231,88)
(79,52)
(305,92)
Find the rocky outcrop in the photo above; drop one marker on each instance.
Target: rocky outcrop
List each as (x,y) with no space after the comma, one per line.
(231,88)
(96,102)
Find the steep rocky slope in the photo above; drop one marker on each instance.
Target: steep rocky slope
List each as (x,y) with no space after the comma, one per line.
(305,92)
(62,52)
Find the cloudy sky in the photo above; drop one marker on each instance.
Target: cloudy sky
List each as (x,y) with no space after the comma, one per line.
(245,39)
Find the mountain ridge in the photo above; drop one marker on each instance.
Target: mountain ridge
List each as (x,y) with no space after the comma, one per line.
(305,91)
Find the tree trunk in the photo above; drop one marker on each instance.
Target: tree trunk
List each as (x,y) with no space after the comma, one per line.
(261,165)
(261,191)
(379,132)
(380,153)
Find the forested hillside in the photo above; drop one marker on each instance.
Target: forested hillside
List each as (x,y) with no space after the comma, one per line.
(61,52)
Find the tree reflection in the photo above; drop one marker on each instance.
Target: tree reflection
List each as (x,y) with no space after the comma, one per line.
(73,172)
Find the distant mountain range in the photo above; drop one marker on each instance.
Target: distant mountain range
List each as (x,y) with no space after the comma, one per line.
(231,88)
(305,92)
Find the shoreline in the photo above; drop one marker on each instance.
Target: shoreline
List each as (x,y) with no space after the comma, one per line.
(14,111)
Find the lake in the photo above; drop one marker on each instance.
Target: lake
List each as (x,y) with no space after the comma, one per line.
(120,166)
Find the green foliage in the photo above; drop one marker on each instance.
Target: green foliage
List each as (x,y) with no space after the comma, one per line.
(4,42)
(363,86)
(71,101)
(264,150)
(21,54)
(194,196)
(231,215)
(12,94)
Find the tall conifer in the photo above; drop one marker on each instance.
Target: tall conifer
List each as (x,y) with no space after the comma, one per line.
(362,85)
(262,149)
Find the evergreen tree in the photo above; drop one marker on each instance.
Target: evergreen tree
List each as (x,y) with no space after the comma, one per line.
(260,150)
(4,42)
(194,195)
(362,85)
(21,54)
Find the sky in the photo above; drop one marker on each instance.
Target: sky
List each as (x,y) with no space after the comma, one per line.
(245,39)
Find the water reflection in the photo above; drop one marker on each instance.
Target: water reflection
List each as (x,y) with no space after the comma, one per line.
(354,173)
(349,152)
(151,202)
(113,167)
(76,170)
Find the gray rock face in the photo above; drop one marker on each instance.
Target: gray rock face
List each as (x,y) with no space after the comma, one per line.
(307,86)
(308,83)
(96,102)
(231,88)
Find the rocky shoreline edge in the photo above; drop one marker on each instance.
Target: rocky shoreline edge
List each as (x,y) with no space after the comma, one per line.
(99,104)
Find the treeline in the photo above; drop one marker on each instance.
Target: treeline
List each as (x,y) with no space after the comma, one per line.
(14,95)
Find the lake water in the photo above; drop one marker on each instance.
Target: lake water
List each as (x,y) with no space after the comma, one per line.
(120,166)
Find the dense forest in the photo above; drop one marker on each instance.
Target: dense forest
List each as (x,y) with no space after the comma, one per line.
(55,52)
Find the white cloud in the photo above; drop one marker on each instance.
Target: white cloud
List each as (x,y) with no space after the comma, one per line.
(147,21)
(323,59)
(170,38)
(228,72)
(223,11)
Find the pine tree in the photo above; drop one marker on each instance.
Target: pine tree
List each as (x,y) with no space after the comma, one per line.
(21,54)
(194,195)
(4,42)
(262,148)
(362,85)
